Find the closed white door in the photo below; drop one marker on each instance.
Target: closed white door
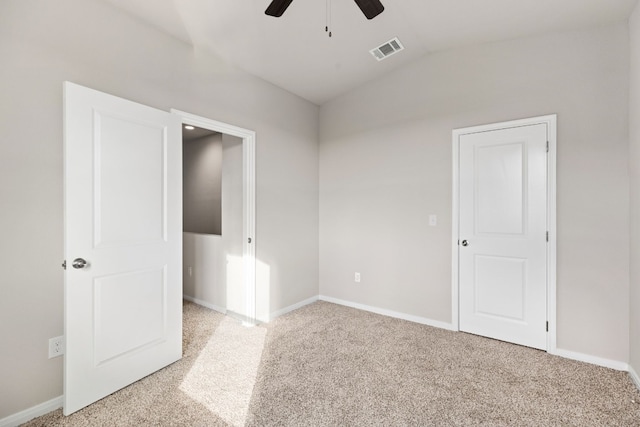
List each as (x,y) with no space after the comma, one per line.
(123,220)
(503,234)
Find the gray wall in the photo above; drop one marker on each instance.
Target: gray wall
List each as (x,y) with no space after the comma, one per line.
(385,165)
(634,171)
(42,44)
(202,184)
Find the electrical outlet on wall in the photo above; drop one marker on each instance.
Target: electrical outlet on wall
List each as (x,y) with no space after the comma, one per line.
(190,271)
(356,278)
(56,347)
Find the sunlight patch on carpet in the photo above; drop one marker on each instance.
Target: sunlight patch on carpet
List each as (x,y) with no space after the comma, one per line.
(223,376)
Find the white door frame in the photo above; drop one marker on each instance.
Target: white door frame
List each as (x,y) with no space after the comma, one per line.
(550,121)
(248,201)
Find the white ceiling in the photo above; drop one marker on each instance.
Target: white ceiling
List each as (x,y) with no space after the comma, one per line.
(295,53)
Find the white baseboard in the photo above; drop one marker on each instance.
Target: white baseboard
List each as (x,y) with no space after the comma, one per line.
(205,304)
(390,313)
(242,318)
(31,413)
(594,360)
(634,377)
(292,307)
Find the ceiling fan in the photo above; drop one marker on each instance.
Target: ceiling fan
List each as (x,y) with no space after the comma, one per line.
(370,8)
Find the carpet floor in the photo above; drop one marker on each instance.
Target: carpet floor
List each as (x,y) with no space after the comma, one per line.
(328,365)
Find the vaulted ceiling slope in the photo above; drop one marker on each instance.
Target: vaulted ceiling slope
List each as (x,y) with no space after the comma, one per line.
(295,53)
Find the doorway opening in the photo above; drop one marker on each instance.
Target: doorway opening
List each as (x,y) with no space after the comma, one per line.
(219,216)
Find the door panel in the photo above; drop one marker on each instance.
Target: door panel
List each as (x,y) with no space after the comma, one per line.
(125,148)
(500,285)
(502,268)
(501,201)
(123,215)
(143,307)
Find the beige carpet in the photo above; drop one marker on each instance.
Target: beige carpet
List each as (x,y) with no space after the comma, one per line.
(327,365)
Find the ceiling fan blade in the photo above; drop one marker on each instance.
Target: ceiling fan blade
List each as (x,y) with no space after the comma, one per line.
(370,8)
(277,7)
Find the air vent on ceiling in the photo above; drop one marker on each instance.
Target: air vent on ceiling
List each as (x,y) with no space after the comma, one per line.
(387,49)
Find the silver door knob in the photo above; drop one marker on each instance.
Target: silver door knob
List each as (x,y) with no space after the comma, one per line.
(464,243)
(79,263)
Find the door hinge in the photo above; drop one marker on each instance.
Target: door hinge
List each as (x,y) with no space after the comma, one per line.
(64,264)
(547,236)
(547,326)
(547,146)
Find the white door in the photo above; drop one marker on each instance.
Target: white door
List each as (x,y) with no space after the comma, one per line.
(123,216)
(503,234)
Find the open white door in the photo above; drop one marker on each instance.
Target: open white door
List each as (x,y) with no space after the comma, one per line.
(123,218)
(503,233)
